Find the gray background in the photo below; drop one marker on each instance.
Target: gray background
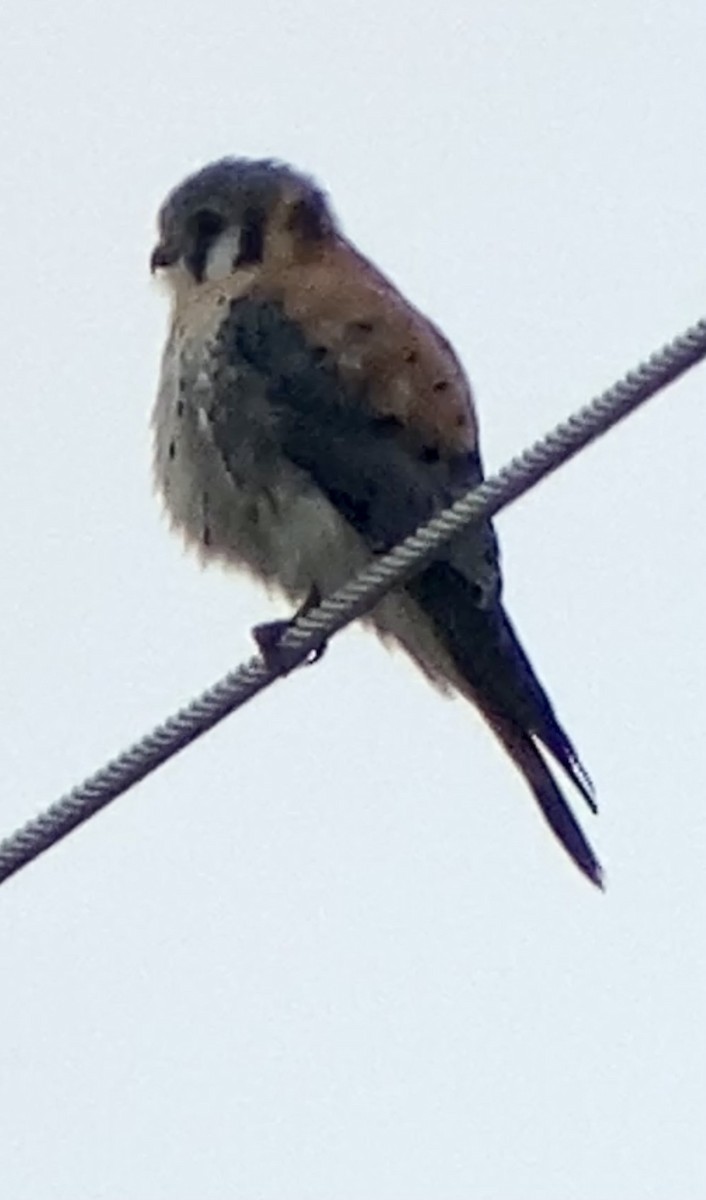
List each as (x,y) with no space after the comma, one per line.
(332,952)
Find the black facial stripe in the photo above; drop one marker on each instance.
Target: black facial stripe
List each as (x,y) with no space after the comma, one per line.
(195,260)
(252,238)
(203,229)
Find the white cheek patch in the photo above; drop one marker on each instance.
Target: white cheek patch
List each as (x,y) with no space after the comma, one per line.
(222,255)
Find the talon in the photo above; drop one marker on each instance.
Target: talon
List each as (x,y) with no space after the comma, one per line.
(313,600)
(317,654)
(268,636)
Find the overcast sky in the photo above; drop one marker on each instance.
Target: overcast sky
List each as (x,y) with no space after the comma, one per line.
(332,952)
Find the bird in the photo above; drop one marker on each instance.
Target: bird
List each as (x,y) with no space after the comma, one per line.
(309,417)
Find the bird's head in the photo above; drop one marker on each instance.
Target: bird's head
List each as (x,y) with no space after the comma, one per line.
(234,214)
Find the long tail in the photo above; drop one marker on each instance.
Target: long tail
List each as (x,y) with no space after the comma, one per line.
(555,810)
(502,683)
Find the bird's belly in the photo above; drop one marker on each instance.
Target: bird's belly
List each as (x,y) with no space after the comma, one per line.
(264,515)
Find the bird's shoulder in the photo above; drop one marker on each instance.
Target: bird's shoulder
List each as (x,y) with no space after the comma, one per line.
(347,314)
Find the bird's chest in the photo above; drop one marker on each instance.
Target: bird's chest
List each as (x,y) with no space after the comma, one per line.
(227,485)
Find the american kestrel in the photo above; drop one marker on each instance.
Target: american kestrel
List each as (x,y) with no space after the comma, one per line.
(309,418)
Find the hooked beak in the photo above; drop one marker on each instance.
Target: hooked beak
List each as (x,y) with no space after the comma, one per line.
(163,255)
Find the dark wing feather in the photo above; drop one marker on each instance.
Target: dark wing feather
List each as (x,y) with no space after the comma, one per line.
(386,483)
(367,464)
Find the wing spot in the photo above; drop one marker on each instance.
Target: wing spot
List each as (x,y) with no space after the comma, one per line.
(207,535)
(180,408)
(410,356)
(362,326)
(441,385)
(430,454)
(171,451)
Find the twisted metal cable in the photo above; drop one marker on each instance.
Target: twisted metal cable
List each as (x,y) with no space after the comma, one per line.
(351,601)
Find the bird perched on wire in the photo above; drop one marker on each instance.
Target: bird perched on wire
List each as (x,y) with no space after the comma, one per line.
(309,418)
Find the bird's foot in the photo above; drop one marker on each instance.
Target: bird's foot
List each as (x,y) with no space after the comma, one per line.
(269,636)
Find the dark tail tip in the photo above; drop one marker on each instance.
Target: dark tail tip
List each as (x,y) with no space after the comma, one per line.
(545,790)
(562,751)
(560,818)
